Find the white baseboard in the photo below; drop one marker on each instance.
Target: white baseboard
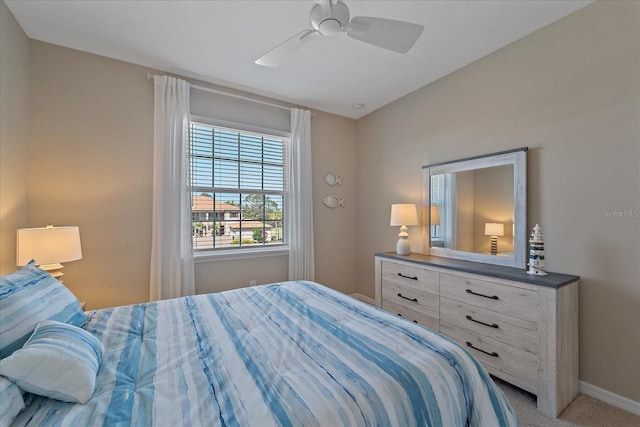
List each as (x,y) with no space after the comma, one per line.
(610,398)
(364,298)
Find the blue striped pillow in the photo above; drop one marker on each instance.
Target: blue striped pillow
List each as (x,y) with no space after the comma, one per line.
(28,296)
(11,401)
(59,361)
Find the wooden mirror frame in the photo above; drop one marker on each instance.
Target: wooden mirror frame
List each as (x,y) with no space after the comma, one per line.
(517,158)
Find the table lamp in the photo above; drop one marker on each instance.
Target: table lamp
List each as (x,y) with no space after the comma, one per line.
(494,230)
(435,215)
(403,215)
(49,246)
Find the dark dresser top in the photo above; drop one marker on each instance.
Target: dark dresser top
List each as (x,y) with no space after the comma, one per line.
(552,280)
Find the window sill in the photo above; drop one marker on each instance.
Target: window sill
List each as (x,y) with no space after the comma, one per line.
(233,254)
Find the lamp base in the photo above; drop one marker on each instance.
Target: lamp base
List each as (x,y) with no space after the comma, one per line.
(403,247)
(494,245)
(53,270)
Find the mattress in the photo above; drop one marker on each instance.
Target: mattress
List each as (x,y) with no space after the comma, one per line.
(284,354)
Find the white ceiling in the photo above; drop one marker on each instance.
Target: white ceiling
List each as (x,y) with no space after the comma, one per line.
(218,41)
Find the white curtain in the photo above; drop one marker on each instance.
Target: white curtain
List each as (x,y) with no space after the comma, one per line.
(450,211)
(171,249)
(300,218)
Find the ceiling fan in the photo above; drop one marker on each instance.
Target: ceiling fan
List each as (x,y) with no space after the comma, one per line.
(330,17)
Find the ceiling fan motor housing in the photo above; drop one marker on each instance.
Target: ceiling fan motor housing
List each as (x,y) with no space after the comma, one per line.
(331,23)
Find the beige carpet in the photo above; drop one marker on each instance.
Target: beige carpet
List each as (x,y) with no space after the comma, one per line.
(583,411)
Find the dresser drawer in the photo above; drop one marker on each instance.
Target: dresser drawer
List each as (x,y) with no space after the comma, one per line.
(536,339)
(412,298)
(513,331)
(412,314)
(412,276)
(519,367)
(509,300)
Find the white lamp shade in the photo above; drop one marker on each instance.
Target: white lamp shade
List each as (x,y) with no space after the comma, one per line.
(493,229)
(48,245)
(435,215)
(404,214)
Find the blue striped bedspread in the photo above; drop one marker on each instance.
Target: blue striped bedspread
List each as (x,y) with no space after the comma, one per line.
(284,354)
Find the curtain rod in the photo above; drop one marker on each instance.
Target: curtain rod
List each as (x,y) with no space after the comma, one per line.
(231,95)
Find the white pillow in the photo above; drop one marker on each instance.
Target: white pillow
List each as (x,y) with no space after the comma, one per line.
(58,361)
(11,402)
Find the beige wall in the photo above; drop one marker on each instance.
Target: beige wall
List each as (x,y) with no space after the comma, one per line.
(571,93)
(66,105)
(90,164)
(334,151)
(218,276)
(14,115)
(464,236)
(493,202)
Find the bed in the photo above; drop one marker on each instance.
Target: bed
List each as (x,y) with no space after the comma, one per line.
(289,354)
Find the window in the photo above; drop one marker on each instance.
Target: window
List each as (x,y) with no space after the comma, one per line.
(238,188)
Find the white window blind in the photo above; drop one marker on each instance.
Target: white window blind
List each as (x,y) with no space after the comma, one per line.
(437,193)
(238,188)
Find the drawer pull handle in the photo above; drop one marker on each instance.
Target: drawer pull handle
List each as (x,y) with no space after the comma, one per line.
(492,325)
(492,354)
(469,291)
(408,277)
(410,299)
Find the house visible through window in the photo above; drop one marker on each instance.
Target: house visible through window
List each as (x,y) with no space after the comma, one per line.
(238,187)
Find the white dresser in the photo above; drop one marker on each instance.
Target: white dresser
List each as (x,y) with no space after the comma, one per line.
(522,328)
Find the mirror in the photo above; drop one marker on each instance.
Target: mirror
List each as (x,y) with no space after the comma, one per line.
(475,208)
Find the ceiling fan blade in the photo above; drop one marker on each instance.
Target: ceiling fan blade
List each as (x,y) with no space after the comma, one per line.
(398,36)
(286,49)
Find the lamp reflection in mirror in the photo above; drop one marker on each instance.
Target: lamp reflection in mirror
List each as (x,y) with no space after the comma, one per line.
(402,215)
(434,218)
(49,246)
(494,230)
